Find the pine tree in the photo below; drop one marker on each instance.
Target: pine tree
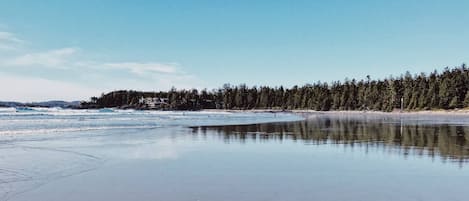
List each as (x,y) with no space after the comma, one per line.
(466,100)
(445,90)
(454,103)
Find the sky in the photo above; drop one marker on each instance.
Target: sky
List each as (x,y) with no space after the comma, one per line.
(72,50)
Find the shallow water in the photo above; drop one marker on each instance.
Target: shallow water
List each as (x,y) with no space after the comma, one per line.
(135,155)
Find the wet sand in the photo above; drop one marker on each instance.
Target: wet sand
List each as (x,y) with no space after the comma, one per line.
(327,157)
(456,112)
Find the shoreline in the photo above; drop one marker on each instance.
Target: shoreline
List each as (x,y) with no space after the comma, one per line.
(457,112)
(453,112)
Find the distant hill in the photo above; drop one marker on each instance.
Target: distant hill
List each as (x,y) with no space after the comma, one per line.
(53,103)
(56,103)
(10,104)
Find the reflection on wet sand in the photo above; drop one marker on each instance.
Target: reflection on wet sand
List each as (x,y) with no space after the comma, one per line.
(450,142)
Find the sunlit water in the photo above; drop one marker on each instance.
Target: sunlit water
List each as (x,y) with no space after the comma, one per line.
(54,154)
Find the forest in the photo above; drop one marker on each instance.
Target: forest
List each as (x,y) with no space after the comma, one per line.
(425,91)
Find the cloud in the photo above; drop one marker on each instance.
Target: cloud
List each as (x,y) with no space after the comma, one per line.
(66,73)
(9,37)
(60,74)
(28,89)
(8,41)
(151,74)
(65,58)
(142,69)
(52,58)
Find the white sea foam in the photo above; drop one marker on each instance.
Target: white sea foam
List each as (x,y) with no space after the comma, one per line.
(57,120)
(73,129)
(7,109)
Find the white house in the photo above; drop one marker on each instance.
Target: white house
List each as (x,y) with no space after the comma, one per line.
(153,102)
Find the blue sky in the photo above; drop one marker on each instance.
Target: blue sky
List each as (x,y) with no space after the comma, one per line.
(75,49)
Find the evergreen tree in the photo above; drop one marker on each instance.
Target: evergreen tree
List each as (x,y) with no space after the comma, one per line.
(445,90)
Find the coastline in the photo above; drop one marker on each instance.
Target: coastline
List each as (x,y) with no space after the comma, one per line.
(457,112)
(436,112)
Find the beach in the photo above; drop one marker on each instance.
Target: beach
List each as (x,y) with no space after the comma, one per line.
(231,155)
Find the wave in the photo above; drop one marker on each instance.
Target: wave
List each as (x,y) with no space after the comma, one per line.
(73,129)
(7,109)
(106,110)
(25,109)
(29,111)
(35,111)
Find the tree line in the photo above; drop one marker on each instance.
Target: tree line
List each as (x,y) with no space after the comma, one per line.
(437,90)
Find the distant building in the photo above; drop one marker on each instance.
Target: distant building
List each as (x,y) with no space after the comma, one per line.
(153,102)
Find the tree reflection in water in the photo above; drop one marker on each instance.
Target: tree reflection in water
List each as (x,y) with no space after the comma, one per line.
(450,142)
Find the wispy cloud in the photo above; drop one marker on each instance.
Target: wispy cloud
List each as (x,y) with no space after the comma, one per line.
(65,73)
(8,41)
(7,36)
(29,89)
(142,69)
(52,58)
(66,58)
